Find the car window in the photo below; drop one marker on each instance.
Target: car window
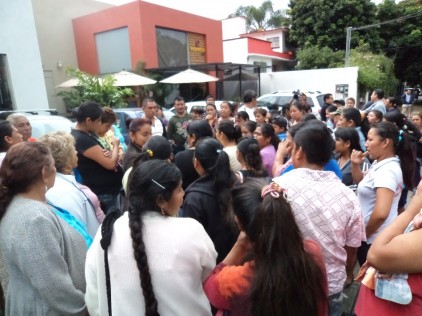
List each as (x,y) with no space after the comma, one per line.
(40,127)
(320,99)
(266,101)
(281,100)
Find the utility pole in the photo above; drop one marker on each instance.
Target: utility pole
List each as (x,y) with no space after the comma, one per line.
(349,38)
(349,30)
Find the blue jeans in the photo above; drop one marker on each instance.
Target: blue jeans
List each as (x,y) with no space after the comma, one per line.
(334,304)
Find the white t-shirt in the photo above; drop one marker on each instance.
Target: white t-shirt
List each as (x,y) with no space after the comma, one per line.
(156,127)
(180,257)
(234,163)
(383,174)
(251,112)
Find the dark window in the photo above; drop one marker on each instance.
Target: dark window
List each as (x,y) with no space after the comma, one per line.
(172,47)
(5,99)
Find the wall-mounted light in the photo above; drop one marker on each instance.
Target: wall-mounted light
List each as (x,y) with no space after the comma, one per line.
(59,63)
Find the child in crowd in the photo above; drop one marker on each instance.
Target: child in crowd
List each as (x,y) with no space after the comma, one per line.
(260,116)
(280,124)
(242,117)
(248,129)
(375,116)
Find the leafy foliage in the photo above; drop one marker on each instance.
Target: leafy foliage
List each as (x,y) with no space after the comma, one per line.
(324,22)
(92,88)
(403,39)
(315,57)
(262,18)
(375,70)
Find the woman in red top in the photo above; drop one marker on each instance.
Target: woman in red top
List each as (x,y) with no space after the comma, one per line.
(270,270)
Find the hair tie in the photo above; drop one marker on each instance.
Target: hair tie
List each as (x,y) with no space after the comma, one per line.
(400,137)
(150,153)
(274,190)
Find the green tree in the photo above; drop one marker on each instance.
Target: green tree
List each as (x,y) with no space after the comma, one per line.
(324,22)
(93,88)
(375,70)
(315,57)
(403,37)
(262,18)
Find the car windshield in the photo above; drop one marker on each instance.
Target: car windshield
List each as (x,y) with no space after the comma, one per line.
(41,127)
(280,100)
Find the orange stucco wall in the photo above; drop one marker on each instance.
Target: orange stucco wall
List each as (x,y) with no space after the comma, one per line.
(141,18)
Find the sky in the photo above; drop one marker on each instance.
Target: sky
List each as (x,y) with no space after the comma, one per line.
(214,9)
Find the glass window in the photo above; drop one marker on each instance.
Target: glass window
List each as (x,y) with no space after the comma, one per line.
(113,50)
(263,65)
(5,98)
(275,42)
(172,47)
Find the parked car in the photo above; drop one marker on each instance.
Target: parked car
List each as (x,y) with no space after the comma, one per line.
(43,124)
(315,99)
(199,104)
(123,115)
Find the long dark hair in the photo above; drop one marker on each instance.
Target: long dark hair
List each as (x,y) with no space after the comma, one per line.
(232,132)
(284,273)
(5,130)
(249,149)
(403,124)
(267,130)
(145,188)
(349,134)
(353,114)
(199,129)
(21,168)
(216,163)
(402,148)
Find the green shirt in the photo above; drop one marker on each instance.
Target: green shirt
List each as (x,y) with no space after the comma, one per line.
(177,129)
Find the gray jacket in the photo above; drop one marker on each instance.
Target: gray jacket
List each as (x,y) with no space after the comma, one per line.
(45,258)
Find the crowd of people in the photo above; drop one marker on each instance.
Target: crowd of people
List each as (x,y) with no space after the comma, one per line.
(233,211)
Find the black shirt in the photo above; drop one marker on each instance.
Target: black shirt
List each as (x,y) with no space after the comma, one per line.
(99,179)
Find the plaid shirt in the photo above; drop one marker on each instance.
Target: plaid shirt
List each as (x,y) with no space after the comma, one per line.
(328,212)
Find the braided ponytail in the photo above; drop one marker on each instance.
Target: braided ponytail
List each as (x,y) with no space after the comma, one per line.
(135,225)
(149,181)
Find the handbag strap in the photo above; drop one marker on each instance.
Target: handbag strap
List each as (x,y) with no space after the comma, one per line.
(106,234)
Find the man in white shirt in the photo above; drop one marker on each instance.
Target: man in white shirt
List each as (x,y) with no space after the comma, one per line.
(149,107)
(249,104)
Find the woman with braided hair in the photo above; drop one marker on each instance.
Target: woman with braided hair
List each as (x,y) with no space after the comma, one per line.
(157,262)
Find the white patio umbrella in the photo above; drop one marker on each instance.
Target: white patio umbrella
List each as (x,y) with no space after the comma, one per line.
(69,83)
(126,78)
(73,82)
(189,76)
